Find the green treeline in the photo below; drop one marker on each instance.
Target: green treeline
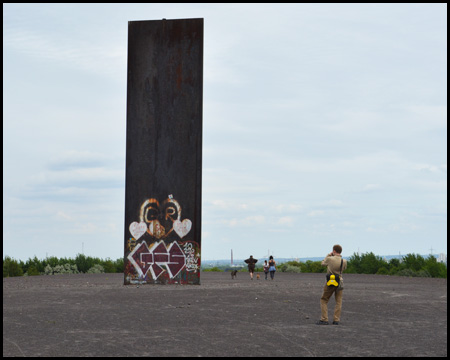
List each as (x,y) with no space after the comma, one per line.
(410,265)
(55,266)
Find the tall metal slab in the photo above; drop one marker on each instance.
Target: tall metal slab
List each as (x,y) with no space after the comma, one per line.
(164,152)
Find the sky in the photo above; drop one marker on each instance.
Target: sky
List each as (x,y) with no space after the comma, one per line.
(323,124)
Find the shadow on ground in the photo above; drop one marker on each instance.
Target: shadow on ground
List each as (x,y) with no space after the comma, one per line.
(96,315)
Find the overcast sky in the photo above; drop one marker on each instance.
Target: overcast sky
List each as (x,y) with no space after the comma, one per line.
(322,124)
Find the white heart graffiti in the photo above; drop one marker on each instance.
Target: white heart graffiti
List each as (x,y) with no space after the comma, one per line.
(182,227)
(138,229)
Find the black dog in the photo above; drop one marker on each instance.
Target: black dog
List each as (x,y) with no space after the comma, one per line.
(233,274)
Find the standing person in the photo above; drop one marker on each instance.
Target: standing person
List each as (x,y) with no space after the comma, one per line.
(266,268)
(333,261)
(251,265)
(272,267)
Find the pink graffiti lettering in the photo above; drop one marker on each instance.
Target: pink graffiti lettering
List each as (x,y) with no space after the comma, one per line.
(145,259)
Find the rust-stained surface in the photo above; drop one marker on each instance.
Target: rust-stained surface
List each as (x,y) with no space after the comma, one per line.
(164,152)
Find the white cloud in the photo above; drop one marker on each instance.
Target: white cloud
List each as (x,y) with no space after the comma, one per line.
(63,216)
(229,205)
(315,213)
(404,227)
(336,203)
(426,117)
(286,220)
(83,53)
(75,172)
(288,208)
(431,168)
(255,220)
(372,229)
(371,187)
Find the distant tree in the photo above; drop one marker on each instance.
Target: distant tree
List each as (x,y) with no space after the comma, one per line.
(290,266)
(108,266)
(61,269)
(423,273)
(315,267)
(48,270)
(294,263)
(11,267)
(84,263)
(394,262)
(354,264)
(96,269)
(292,269)
(119,265)
(434,268)
(370,263)
(35,263)
(382,271)
(282,267)
(393,270)
(406,272)
(52,261)
(32,271)
(413,262)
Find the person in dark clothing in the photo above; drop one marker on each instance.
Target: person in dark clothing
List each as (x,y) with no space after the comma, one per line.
(251,265)
(272,267)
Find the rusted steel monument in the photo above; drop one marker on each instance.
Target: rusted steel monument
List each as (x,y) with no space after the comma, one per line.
(164,152)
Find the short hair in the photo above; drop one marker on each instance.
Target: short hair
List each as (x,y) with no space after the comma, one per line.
(337,248)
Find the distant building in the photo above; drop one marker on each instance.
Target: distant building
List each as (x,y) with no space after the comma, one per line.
(442,258)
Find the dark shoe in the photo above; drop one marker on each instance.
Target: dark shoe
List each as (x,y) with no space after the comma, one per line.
(320,322)
(335,322)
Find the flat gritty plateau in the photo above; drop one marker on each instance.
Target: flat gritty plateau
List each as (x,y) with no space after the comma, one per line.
(96,315)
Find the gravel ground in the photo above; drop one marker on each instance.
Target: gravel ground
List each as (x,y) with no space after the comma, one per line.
(96,315)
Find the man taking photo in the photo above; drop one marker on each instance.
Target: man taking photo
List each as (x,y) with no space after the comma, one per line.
(335,266)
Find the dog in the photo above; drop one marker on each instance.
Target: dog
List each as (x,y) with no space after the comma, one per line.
(257,276)
(233,274)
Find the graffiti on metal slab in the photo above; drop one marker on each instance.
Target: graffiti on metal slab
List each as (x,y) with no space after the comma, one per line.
(160,245)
